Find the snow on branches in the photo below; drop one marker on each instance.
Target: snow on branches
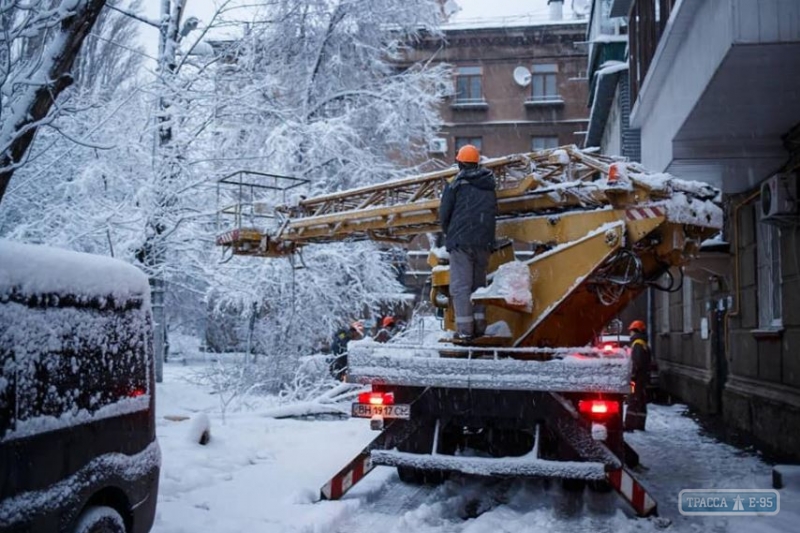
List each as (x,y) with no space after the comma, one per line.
(40,40)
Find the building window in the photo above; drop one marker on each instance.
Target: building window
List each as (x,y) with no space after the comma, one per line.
(543,143)
(544,86)
(688,305)
(474,141)
(469,86)
(769,276)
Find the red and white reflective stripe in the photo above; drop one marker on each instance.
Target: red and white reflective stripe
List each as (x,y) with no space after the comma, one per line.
(633,492)
(641,213)
(347,477)
(228,237)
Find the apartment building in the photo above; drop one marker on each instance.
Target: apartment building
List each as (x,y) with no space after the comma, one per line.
(516,85)
(712,95)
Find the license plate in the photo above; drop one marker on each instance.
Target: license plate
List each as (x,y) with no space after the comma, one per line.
(364,410)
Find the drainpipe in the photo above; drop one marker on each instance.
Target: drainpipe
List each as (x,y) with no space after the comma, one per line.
(650,325)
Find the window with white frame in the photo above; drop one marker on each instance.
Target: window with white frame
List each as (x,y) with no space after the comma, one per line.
(543,142)
(544,82)
(688,305)
(469,84)
(768,243)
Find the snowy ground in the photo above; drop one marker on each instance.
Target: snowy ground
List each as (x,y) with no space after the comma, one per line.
(261,474)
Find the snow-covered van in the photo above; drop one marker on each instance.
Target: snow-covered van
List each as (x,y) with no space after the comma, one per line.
(78,450)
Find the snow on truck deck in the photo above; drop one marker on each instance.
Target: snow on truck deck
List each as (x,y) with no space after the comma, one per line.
(261,474)
(413,358)
(414,365)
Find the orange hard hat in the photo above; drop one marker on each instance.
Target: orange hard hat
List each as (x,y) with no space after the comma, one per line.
(387,321)
(468,154)
(637,325)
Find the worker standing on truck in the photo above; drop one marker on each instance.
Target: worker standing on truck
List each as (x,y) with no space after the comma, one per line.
(467,214)
(636,415)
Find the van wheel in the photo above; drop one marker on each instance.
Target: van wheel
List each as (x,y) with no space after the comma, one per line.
(100,519)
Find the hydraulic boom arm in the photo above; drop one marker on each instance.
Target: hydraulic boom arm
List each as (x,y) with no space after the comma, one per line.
(600,229)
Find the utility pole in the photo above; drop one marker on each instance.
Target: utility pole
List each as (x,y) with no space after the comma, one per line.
(154,255)
(154,252)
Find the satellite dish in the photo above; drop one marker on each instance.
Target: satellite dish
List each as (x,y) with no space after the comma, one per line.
(581,8)
(450,8)
(522,76)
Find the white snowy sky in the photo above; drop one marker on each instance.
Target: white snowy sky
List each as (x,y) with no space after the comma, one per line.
(471,11)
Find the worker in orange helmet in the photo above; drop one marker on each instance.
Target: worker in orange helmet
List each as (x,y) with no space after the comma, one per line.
(387,329)
(636,414)
(467,214)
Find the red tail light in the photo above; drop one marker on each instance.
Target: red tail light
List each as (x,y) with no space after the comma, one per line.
(376,398)
(135,393)
(608,348)
(598,408)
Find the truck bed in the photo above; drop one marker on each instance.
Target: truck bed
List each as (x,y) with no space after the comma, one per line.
(423,366)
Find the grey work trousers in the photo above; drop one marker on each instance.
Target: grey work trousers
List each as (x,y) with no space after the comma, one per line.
(468,273)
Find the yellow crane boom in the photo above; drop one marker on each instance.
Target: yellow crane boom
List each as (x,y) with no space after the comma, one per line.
(600,230)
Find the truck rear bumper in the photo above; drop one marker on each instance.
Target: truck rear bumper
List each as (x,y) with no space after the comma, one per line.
(415,366)
(487,466)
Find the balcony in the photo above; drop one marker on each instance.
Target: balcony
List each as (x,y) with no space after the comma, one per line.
(478,104)
(715,87)
(545,101)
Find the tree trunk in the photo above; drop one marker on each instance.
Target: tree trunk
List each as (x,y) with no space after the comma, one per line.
(58,56)
(154,248)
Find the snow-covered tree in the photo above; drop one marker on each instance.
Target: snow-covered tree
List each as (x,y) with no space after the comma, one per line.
(79,186)
(38,45)
(321,93)
(311,89)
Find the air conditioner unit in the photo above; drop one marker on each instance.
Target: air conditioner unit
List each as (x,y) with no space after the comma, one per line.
(779,198)
(438,145)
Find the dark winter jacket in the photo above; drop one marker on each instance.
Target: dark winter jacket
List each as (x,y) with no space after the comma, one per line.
(640,360)
(383,335)
(340,340)
(468,209)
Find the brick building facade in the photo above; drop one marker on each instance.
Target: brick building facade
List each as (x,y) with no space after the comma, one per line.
(489,107)
(543,107)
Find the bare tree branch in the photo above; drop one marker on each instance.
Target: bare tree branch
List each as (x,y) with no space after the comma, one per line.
(33,102)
